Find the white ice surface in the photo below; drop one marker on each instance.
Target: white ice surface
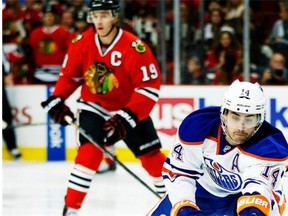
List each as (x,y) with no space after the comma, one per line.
(38,189)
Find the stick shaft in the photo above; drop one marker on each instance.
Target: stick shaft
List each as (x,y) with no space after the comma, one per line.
(87,136)
(26,125)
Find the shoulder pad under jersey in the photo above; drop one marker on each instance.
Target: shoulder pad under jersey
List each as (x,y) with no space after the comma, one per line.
(200,124)
(268,142)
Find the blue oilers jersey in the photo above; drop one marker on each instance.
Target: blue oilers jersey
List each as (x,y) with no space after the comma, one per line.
(202,158)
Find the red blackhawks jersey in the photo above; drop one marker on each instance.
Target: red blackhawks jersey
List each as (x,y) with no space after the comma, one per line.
(49,45)
(124,75)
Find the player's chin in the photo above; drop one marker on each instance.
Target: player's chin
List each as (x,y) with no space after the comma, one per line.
(240,139)
(101,33)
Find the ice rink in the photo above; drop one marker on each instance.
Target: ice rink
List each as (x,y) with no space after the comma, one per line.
(38,189)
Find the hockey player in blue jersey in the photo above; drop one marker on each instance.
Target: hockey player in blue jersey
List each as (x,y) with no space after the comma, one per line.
(226,160)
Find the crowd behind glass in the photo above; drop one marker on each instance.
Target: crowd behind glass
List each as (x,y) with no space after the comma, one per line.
(211,51)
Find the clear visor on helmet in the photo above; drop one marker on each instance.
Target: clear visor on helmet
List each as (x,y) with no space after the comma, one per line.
(100,15)
(240,121)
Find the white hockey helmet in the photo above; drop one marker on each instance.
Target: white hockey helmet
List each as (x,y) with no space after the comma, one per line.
(245,97)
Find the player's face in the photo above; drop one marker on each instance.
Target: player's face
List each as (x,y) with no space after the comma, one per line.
(103,21)
(239,126)
(48,19)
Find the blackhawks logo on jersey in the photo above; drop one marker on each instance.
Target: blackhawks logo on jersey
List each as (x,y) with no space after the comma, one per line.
(100,79)
(139,46)
(47,46)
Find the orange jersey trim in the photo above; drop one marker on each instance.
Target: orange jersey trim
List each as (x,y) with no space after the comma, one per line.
(261,158)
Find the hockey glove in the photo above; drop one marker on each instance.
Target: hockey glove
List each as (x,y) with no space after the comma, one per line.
(57,110)
(118,126)
(186,208)
(253,205)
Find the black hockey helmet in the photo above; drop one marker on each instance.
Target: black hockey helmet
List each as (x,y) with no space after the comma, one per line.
(95,5)
(49,8)
(80,15)
(104,5)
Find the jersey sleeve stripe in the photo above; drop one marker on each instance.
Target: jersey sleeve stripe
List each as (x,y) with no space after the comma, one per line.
(173,171)
(93,107)
(251,181)
(173,175)
(75,79)
(151,93)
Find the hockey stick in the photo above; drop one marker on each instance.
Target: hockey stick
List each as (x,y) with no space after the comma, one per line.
(7,126)
(87,136)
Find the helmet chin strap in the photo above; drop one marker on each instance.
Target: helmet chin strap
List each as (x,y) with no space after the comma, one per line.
(113,26)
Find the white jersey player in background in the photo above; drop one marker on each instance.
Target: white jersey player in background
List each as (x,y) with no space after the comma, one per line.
(226,160)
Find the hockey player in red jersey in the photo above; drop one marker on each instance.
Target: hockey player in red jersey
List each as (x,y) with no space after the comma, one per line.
(226,161)
(49,43)
(120,83)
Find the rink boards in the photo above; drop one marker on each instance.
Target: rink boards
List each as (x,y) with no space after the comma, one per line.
(51,142)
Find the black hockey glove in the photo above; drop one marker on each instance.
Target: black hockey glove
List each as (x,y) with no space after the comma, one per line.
(57,110)
(118,126)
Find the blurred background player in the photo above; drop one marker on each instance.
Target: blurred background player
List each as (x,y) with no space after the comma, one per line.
(7,118)
(226,161)
(120,80)
(80,24)
(49,43)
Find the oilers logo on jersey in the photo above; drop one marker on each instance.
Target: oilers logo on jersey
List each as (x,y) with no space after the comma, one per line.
(222,177)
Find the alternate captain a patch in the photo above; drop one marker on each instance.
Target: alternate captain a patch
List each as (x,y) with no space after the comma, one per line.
(139,46)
